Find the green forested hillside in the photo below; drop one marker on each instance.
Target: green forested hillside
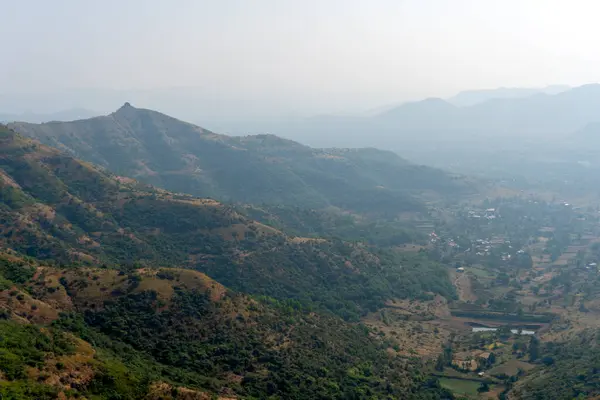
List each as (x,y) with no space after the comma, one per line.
(333,223)
(76,332)
(91,306)
(60,209)
(567,370)
(181,157)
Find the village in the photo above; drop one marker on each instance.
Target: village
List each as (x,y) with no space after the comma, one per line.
(524,272)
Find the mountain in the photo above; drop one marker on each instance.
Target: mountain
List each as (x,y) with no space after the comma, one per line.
(590,132)
(502,138)
(94,307)
(57,208)
(182,157)
(471,97)
(66,115)
(536,115)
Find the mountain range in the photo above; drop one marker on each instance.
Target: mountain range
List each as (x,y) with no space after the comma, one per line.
(437,122)
(469,98)
(110,288)
(58,208)
(65,115)
(177,263)
(181,157)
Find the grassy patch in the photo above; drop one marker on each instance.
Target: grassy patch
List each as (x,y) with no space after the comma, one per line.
(511,368)
(481,273)
(459,386)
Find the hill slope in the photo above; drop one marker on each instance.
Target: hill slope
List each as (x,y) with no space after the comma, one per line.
(139,331)
(181,157)
(176,334)
(57,208)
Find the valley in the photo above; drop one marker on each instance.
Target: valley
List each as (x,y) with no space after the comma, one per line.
(316,200)
(525,273)
(324,273)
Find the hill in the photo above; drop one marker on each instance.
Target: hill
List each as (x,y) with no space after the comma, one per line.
(181,157)
(568,370)
(177,334)
(57,208)
(471,97)
(137,328)
(437,126)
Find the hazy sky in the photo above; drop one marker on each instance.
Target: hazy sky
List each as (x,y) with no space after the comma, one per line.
(301,55)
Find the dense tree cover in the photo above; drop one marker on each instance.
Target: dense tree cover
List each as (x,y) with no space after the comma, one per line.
(38,362)
(77,213)
(346,279)
(569,370)
(230,344)
(334,224)
(279,353)
(67,212)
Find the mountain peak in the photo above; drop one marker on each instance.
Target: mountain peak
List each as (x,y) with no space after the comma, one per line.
(126,107)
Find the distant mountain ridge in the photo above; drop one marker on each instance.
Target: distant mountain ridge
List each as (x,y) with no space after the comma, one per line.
(36,118)
(182,157)
(437,122)
(471,97)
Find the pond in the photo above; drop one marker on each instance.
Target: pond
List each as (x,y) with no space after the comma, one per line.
(514,331)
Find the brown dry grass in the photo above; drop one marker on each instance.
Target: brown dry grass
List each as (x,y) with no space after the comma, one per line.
(165,391)
(22,305)
(68,371)
(416,327)
(462,283)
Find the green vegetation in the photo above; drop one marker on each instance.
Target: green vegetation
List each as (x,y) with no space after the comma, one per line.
(460,386)
(334,224)
(189,332)
(78,214)
(181,157)
(566,370)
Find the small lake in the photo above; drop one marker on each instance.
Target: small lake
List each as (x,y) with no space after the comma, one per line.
(514,331)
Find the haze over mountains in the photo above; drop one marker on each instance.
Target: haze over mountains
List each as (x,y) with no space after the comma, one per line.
(453,134)
(66,115)
(182,157)
(527,117)
(309,200)
(304,246)
(195,105)
(472,97)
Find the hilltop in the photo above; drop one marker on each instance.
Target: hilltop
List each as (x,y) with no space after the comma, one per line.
(157,149)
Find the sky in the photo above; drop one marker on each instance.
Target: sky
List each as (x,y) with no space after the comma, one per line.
(276,57)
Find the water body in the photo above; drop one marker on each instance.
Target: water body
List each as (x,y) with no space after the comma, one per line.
(514,331)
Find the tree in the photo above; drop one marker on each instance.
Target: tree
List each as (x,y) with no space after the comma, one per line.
(440,364)
(483,387)
(534,348)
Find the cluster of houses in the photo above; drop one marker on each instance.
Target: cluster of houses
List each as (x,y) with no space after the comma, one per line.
(483,247)
(473,361)
(490,213)
(435,239)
